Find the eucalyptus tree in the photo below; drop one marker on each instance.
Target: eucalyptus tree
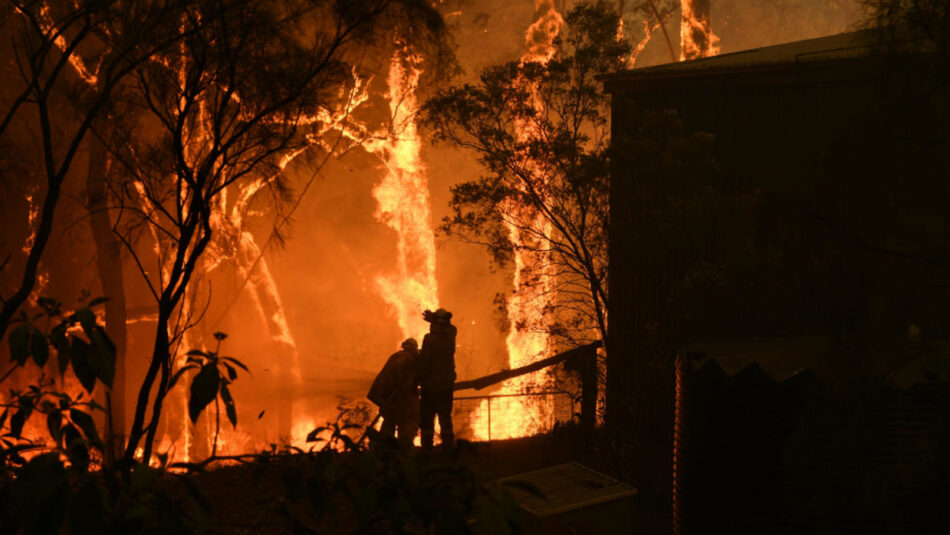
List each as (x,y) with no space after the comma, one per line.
(248,87)
(65,63)
(541,133)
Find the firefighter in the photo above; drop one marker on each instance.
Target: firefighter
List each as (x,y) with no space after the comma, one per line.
(395,392)
(437,377)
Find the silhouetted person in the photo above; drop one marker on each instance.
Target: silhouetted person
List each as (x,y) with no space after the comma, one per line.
(394,391)
(437,377)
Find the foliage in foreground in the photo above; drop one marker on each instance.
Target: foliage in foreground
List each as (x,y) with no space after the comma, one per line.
(384,489)
(51,485)
(65,483)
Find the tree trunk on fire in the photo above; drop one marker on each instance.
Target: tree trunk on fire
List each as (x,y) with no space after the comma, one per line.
(109,264)
(695,34)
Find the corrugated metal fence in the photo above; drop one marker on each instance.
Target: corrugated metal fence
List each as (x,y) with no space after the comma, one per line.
(759,456)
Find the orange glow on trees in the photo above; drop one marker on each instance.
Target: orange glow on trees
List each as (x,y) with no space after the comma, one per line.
(403,200)
(247,100)
(539,129)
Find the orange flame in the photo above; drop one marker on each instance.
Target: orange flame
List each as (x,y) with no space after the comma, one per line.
(696,37)
(525,307)
(229,226)
(403,198)
(48,27)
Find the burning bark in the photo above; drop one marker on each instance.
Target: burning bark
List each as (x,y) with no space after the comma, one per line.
(109,265)
(532,292)
(403,197)
(696,37)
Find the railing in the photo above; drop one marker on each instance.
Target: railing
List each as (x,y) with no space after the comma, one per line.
(502,416)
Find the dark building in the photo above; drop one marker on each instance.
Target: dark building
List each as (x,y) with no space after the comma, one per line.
(791,193)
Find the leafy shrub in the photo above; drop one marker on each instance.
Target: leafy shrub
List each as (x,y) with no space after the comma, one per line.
(48,485)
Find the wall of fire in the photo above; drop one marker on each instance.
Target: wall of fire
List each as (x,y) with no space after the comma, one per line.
(341,327)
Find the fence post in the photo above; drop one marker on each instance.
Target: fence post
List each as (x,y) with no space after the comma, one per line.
(589,389)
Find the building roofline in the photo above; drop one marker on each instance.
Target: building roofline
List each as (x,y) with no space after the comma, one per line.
(836,57)
(737,76)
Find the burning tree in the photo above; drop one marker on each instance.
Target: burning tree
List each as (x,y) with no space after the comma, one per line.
(696,37)
(653,15)
(186,98)
(72,62)
(539,128)
(232,105)
(51,44)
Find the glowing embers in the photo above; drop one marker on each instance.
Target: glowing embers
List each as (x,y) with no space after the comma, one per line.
(403,201)
(696,37)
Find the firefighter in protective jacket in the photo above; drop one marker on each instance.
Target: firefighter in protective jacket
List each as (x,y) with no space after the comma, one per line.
(395,392)
(437,377)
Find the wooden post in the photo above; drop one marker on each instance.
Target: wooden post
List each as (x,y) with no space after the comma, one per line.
(588,370)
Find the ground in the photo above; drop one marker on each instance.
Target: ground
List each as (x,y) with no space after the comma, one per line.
(237,493)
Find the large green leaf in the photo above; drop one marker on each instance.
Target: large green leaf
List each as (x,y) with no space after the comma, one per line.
(204,388)
(58,338)
(54,422)
(70,434)
(39,346)
(232,373)
(229,404)
(19,341)
(87,319)
(43,477)
(88,426)
(82,357)
(18,420)
(237,363)
(96,301)
(105,351)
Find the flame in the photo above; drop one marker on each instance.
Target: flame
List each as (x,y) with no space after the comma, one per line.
(91,77)
(696,37)
(33,212)
(539,38)
(403,200)
(649,27)
(246,255)
(526,416)
(403,205)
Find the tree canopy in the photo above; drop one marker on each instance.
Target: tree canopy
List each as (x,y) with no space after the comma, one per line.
(540,130)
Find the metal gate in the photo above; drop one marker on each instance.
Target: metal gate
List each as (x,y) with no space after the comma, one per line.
(501,416)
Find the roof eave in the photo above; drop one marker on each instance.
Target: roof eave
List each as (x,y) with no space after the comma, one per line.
(834,69)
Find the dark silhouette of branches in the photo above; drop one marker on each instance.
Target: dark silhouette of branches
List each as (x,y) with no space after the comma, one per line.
(224,110)
(51,43)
